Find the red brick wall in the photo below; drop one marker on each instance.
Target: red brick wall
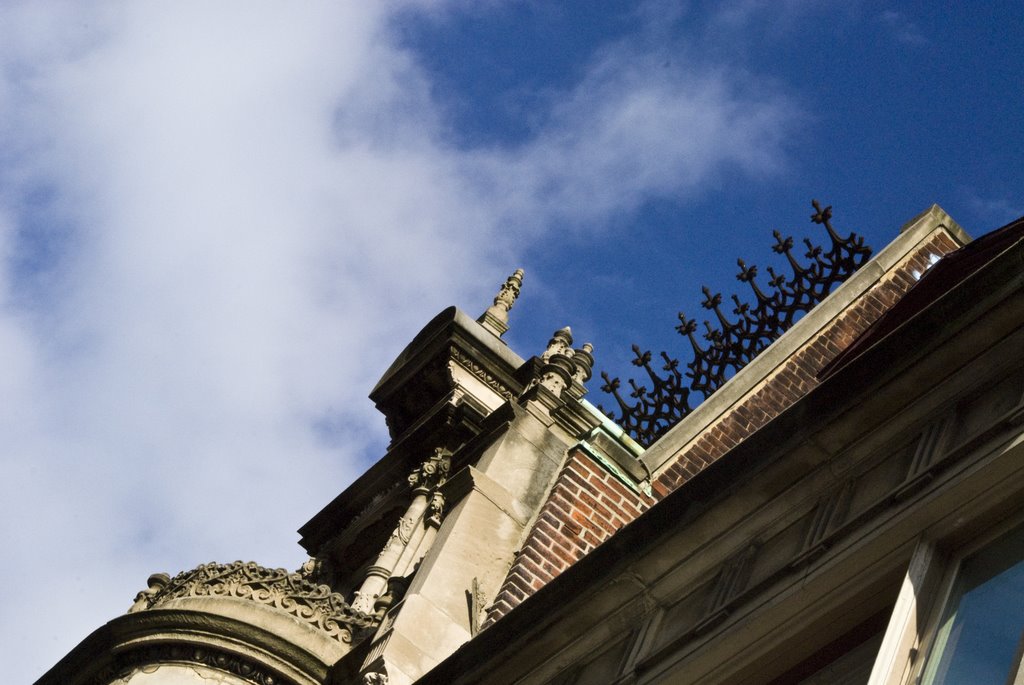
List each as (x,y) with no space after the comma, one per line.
(587,504)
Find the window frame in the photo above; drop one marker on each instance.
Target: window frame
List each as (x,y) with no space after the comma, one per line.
(927,590)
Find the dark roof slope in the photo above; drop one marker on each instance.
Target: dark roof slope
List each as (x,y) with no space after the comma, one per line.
(946,274)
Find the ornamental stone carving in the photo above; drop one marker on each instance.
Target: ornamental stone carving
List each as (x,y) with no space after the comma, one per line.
(401,535)
(562,366)
(292,593)
(148,655)
(432,473)
(560,343)
(495,319)
(319,570)
(375,678)
(413,534)
(157,582)
(426,479)
(489,379)
(435,509)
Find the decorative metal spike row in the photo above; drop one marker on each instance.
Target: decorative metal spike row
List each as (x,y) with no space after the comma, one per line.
(728,344)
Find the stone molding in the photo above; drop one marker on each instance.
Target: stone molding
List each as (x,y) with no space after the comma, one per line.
(467,362)
(236,665)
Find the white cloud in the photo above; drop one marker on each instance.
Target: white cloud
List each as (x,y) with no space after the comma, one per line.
(780,15)
(640,128)
(902,29)
(992,210)
(218,224)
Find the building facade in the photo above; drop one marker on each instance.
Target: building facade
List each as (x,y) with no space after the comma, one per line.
(845,506)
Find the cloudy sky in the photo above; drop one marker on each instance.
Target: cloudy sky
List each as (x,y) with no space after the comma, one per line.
(220,221)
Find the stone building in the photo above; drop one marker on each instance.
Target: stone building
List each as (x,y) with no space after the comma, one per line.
(845,506)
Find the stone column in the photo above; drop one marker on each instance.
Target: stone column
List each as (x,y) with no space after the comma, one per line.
(406,540)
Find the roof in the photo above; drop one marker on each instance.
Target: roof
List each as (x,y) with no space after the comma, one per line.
(946,274)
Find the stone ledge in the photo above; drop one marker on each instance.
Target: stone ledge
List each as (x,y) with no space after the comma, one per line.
(913,234)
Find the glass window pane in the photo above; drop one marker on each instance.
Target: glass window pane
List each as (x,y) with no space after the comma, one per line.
(979,640)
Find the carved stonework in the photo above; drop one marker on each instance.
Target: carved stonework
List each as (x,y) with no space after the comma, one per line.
(405,525)
(371,506)
(731,581)
(432,473)
(506,297)
(157,582)
(128,662)
(930,447)
(495,319)
(435,509)
(563,367)
(467,362)
(425,510)
(396,587)
(583,360)
(476,600)
(375,679)
(401,535)
(426,479)
(375,671)
(289,592)
(321,570)
(560,343)
(828,515)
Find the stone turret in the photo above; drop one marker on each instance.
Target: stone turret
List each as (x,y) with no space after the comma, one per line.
(478,436)
(405,562)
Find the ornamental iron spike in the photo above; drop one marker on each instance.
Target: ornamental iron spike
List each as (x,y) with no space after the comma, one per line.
(655,409)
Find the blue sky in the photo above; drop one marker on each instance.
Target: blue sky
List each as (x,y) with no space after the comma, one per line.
(220,222)
(887,108)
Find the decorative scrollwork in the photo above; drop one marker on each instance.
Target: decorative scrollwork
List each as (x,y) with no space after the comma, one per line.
(287,591)
(433,472)
(427,479)
(731,343)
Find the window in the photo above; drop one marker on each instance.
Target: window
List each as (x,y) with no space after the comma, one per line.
(979,639)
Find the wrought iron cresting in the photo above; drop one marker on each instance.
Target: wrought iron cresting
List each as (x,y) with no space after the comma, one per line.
(730,344)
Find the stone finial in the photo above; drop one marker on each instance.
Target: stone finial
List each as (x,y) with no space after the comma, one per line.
(583,360)
(557,370)
(560,343)
(495,319)
(144,599)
